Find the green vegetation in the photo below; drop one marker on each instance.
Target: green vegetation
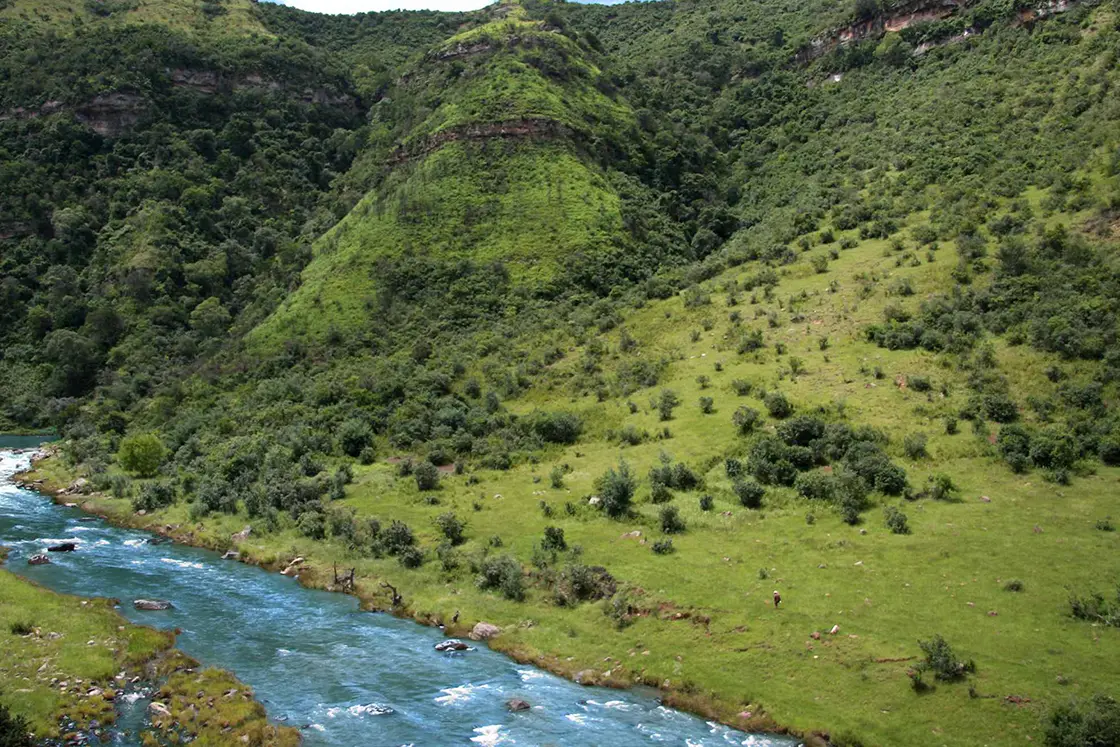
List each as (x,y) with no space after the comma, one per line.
(615,318)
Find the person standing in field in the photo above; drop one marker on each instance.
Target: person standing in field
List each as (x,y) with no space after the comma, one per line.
(777,599)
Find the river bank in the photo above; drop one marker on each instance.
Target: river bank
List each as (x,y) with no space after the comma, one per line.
(74,668)
(49,476)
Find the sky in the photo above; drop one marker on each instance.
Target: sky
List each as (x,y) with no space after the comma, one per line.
(361,6)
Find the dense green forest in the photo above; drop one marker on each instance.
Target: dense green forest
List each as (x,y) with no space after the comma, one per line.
(343,277)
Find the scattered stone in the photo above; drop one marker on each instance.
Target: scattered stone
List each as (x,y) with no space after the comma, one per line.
(815,635)
(293,567)
(985,499)
(38,560)
(154,605)
(863,531)
(231,555)
(594,500)
(859,562)
(451,644)
(585,677)
(993,613)
(484,631)
(159,709)
(517,704)
(1037,529)
(834,630)
(63,547)
(631,535)
(242,535)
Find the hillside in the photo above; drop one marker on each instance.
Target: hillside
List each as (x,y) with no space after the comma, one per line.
(603,323)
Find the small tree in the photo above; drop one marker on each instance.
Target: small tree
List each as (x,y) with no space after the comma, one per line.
(666,403)
(354,435)
(427,475)
(14,730)
(554,540)
(745,419)
(749,493)
(616,490)
(452,528)
(141,454)
(778,406)
(671,521)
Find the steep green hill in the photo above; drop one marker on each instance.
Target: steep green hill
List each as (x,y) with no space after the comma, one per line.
(615,320)
(493,150)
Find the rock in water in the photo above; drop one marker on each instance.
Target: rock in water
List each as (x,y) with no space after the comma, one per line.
(38,560)
(152,604)
(451,644)
(517,704)
(373,709)
(484,631)
(63,547)
(231,555)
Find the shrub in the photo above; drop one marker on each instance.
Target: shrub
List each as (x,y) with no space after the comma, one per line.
(556,476)
(706,405)
(706,503)
(14,730)
(940,487)
(1105,524)
(556,427)
(777,405)
(502,573)
(741,387)
(659,493)
(896,520)
(21,627)
(554,540)
(919,383)
(1013,585)
(663,547)
(1094,724)
(1109,450)
(312,524)
(141,454)
(153,496)
(733,467)
(616,490)
(411,557)
(451,527)
(630,435)
(801,430)
(915,445)
(671,522)
(816,485)
(942,661)
(951,427)
(1096,609)
(397,536)
(354,436)
(427,475)
(749,493)
(703,381)
(745,419)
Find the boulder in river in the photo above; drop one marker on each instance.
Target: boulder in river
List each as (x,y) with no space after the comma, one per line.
(231,555)
(373,709)
(154,605)
(38,560)
(63,547)
(484,631)
(517,704)
(451,644)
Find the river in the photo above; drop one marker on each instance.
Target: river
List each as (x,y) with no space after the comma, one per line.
(346,677)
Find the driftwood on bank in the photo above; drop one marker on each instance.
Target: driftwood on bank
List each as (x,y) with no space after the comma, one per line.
(398,600)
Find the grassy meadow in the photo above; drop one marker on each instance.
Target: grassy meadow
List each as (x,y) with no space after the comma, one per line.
(706,630)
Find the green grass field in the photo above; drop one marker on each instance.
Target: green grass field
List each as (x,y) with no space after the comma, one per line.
(708,632)
(57,650)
